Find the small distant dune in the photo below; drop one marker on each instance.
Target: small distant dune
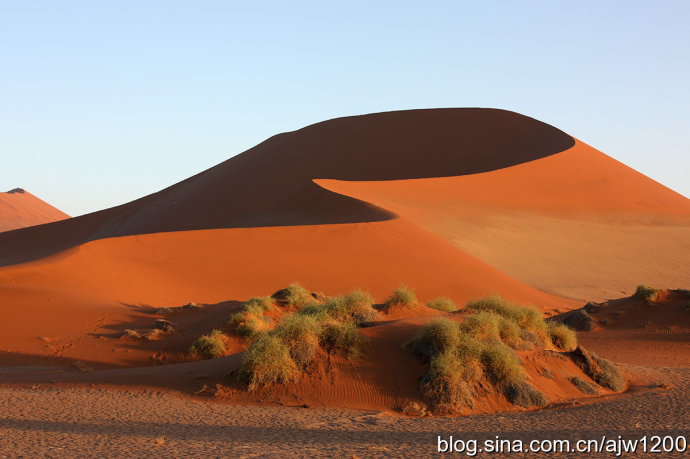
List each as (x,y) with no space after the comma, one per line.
(19,209)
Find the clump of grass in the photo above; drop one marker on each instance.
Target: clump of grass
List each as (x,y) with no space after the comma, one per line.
(258,305)
(449,386)
(268,361)
(585,387)
(600,370)
(344,337)
(436,337)
(503,366)
(526,318)
(251,321)
(401,296)
(442,303)
(647,293)
(284,353)
(295,295)
(356,306)
(526,396)
(489,325)
(210,345)
(301,334)
(562,336)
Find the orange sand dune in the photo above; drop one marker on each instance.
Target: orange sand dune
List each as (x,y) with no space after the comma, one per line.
(271,184)
(577,224)
(19,208)
(259,221)
(106,286)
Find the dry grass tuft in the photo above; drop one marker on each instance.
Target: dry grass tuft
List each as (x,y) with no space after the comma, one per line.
(210,345)
(401,296)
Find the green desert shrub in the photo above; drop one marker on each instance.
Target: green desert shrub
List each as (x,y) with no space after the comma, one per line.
(316,310)
(258,305)
(527,318)
(298,296)
(442,303)
(436,337)
(301,334)
(585,387)
(502,365)
(486,325)
(249,325)
(562,336)
(268,361)
(356,306)
(345,338)
(210,345)
(646,292)
(401,296)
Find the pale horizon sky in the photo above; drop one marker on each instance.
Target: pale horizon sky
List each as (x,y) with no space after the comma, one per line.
(105,102)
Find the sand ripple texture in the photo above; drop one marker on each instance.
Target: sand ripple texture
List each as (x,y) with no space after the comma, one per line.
(93,422)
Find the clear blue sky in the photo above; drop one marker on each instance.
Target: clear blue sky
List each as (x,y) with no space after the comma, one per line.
(104,102)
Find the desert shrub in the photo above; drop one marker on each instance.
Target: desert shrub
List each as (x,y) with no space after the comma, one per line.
(524,395)
(442,303)
(562,336)
(301,334)
(646,292)
(503,366)
(345,338)
(585,387)
(526,318)
(488,325)
(600,370)
(295,295)
(356,306)
(449,386)
(249,325)
(315,310)
(437,336)
(258,305)
(268,361)
(401,296)
(210,345)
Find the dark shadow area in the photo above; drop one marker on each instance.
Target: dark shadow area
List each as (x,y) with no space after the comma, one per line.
(271,184)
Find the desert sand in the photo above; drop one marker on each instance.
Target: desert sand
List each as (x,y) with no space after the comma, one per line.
(19,209)
(458,202)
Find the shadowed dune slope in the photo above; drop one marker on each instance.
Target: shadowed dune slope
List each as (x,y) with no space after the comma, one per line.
(271,184)
(578,223)
(19,209)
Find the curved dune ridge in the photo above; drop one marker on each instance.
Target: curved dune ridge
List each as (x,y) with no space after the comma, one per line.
(369,201)
(19,209)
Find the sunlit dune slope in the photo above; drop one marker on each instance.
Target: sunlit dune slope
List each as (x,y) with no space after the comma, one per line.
(19,209)
(105,286)
(577,224)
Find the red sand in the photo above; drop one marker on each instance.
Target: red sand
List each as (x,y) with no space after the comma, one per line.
(19,209)
(463,203)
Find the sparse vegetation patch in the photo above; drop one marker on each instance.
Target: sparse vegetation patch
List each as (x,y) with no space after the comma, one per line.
(647,293)
(401,296)
(210,345)
(442,303)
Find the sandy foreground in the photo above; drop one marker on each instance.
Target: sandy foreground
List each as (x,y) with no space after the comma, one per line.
(42,420)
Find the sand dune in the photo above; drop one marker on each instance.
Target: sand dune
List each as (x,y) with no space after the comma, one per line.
(19,209)
(457,202)
(577,224)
